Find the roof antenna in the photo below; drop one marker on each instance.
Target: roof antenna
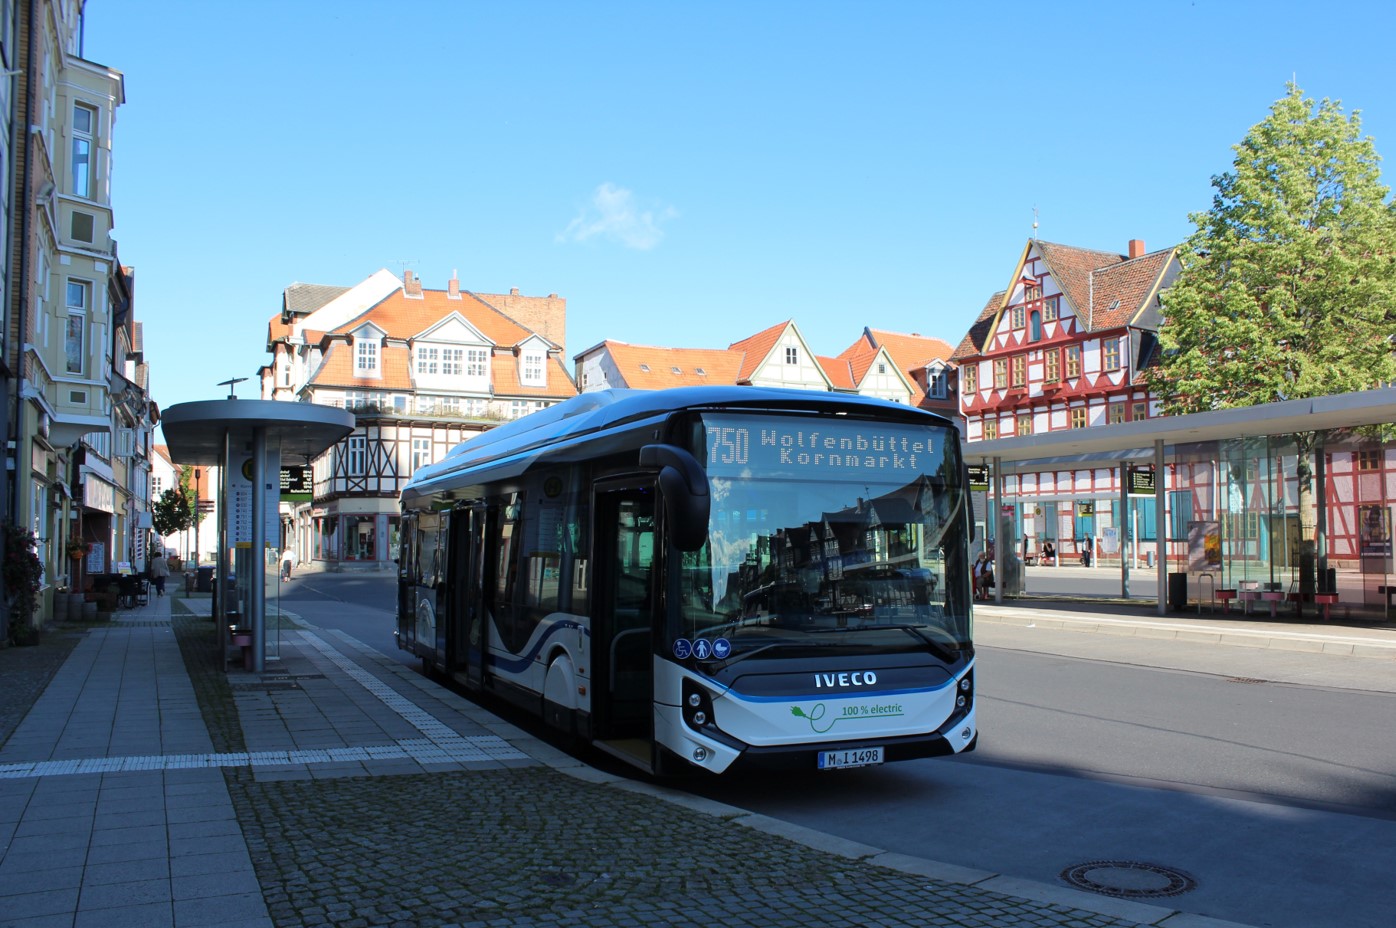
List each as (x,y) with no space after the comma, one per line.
(232,386)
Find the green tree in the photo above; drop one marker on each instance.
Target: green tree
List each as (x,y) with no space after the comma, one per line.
(1288,284)
(176,510)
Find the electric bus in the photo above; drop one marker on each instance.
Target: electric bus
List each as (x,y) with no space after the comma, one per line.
(705,578)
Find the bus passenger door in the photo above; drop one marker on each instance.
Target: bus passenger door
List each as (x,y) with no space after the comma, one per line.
(466,641)
(626,590)
(406,580)
(424,604)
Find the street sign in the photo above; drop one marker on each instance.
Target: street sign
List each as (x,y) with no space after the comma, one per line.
(1141,479)
(296,483)
(978,476)
(1085,508)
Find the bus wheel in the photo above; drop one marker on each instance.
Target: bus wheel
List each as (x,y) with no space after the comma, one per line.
(558,686)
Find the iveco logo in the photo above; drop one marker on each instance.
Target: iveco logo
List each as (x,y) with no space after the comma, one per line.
(856,678)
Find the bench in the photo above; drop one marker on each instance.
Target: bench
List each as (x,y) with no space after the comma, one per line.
(1388,592)
(1326,600)
(1273,598)
(1225,597)
(1250,592)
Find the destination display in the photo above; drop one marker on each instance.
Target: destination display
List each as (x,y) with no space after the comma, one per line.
(782,448)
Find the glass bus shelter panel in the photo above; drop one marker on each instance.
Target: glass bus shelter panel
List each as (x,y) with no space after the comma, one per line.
(272,591)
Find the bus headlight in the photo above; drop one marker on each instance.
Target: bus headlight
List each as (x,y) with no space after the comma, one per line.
(965,694)
(697,706)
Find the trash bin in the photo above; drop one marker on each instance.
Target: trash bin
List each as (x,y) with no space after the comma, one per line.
(1328,580)
(1177,592)
(205,580)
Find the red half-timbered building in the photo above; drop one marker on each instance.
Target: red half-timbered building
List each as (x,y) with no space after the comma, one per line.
(1063,347)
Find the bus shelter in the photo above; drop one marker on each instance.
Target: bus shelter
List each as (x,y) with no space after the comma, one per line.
(1281,503)
(246,440)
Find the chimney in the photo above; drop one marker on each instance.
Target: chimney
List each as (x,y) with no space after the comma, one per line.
(1136,248)
(513,291)
(411,285)
(453,287)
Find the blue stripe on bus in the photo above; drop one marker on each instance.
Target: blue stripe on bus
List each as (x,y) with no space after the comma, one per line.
(521,663)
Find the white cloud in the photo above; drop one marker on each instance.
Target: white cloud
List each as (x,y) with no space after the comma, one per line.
(614,215)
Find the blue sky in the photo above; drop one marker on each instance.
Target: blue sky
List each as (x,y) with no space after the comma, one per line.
(684,174)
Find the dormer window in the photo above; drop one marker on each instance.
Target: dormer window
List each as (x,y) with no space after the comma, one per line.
(365,357)
(936,384)
(531,369)
(645,368)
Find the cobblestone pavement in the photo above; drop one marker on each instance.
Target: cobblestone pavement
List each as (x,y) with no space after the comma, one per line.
(535,847)
(541,842)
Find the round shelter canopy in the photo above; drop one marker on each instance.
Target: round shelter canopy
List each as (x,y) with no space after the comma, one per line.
(195,432)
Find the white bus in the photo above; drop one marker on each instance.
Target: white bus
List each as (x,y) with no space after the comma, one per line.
(706,577)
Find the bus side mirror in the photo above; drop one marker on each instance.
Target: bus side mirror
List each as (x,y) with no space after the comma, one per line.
(685,488)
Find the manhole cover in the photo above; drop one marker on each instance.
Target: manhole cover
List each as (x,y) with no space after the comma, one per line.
(1128,879)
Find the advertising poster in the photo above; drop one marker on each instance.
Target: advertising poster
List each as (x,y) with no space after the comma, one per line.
(1374,530)
(1204,546)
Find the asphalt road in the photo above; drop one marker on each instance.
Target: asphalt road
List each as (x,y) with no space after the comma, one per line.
(1269,777)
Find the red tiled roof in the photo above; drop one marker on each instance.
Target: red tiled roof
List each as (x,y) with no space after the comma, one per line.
(337,369)
(859,357)
(504,376)
(402,318)
(277,330)
(839,371)
(911,352)
(1123,290)
(718,365)
(756,348)
(1071,268)
(973,342)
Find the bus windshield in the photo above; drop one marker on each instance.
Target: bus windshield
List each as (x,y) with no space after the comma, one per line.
(828,533)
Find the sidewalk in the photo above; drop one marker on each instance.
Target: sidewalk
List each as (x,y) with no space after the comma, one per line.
(1356,638)
(147,787)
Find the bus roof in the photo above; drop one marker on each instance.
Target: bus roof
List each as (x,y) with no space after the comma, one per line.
(601,410)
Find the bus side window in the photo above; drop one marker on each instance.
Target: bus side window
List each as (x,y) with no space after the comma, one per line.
(502,559)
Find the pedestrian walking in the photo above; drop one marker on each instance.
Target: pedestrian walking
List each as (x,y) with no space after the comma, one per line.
(288,562)
(159,570)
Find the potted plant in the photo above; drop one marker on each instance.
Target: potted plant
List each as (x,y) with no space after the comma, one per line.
(77,549)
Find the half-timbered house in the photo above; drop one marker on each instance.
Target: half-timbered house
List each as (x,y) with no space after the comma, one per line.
(422,370)
(1063,346)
